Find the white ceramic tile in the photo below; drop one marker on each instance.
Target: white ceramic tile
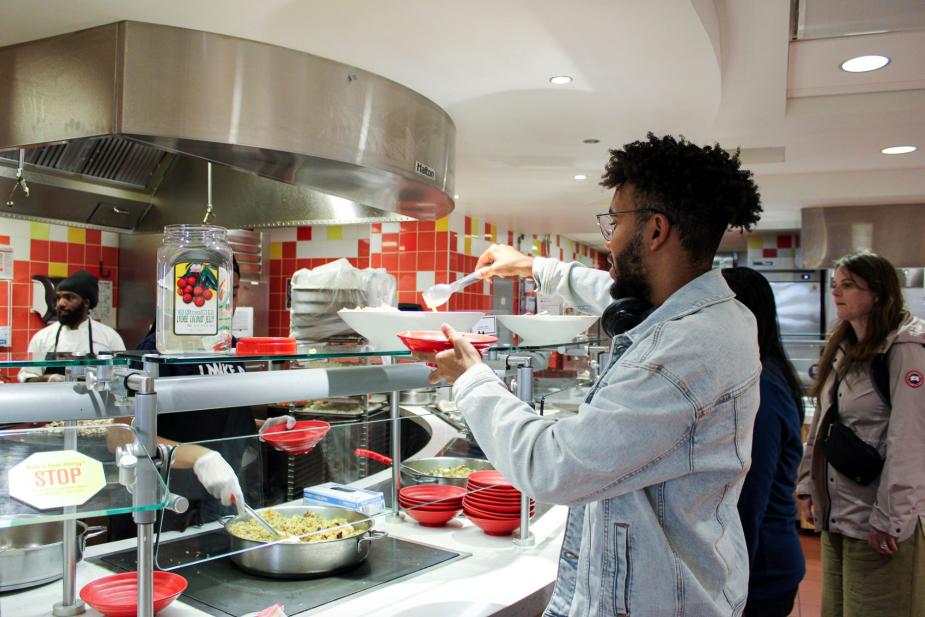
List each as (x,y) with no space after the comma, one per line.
(425,280)
(57,233)
(375,243)
(14,228)
(284,234)
(108,238)
(22,247)
(391,228)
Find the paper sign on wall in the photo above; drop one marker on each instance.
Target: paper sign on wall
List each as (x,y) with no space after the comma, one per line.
(56,479)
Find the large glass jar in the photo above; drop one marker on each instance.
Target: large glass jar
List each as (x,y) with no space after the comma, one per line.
(194,290)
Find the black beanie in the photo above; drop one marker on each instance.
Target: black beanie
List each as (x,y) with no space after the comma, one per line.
(83,284)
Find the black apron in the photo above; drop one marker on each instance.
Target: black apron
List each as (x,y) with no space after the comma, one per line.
(54,355)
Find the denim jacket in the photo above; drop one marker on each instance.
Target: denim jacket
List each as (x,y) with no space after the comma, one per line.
(653,463)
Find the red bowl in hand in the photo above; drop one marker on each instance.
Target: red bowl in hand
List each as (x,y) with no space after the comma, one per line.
(430,341)
(432,518)
(117,595)
(301,438)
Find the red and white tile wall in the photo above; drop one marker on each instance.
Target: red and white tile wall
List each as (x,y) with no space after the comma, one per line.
(777,251)
(417,254)
(50,250)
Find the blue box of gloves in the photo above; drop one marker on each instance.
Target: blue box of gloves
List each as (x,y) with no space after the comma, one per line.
(341,495)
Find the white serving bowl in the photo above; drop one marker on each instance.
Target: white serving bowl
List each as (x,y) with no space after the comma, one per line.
(380,328)
(535,330)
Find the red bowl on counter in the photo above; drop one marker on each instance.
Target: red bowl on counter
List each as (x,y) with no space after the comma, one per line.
(494,506)
(481,512)
(485,478)
(117,595)
(432,518)
(430,341)
(301,438)
(432,492)
(266,346)
(495,527)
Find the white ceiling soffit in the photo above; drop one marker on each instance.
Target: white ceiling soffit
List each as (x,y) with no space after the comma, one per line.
(713,70)
(835,18)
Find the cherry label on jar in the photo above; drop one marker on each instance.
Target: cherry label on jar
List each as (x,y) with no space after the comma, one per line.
(197,286)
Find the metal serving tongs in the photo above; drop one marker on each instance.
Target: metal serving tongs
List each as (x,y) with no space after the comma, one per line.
(253,514)
(20,180)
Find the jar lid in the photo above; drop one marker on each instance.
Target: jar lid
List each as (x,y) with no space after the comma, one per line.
(266,346)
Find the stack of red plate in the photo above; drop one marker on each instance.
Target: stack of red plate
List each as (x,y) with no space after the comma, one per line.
(300,439)
(492,503)
(431,505)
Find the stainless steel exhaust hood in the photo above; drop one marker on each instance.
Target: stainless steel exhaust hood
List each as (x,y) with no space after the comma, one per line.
(119,121)
(894,231)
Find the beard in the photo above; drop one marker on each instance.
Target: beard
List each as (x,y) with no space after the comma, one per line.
(631,280)
(70,319)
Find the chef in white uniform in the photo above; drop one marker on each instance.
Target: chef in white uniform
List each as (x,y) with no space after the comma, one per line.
(74,332)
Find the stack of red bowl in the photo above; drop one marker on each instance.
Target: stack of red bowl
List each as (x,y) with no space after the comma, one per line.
(492,503)
(431,505)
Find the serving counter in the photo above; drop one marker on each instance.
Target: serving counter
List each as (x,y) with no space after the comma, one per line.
(456,569)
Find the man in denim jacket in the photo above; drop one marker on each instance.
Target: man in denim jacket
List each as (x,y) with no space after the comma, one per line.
(653,463)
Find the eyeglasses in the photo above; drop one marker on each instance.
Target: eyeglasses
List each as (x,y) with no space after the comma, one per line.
(606,223)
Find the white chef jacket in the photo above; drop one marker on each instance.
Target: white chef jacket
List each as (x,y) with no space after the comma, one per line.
(71,340)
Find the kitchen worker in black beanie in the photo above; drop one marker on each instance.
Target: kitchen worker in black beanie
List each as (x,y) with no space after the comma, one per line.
(75,332)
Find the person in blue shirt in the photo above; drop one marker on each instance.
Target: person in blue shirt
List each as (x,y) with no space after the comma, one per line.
(767,505)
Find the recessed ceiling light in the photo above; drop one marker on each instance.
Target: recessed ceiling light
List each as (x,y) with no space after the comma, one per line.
(560,80)
(581,177)
(591,141)
(899,150)
(456,196)
(863,64)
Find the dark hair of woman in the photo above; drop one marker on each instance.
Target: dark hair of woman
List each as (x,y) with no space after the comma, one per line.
(889,310)
(754,291)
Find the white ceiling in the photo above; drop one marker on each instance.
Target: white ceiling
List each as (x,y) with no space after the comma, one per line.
(711,69)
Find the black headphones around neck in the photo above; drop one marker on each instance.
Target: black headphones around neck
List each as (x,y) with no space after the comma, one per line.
(624,314)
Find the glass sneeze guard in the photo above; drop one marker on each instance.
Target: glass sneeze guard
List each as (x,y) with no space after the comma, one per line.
(96,442)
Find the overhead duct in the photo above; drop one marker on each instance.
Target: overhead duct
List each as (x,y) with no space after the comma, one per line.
(118,122)
(895,232)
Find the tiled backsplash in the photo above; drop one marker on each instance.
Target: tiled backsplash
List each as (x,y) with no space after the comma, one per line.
(417,254)
(54,251)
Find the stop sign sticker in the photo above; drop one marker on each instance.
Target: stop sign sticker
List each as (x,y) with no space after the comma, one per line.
(56,479)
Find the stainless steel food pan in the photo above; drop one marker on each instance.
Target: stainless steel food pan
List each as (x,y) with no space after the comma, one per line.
(31,555)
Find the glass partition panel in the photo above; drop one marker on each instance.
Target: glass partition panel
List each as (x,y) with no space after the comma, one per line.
(320,451)
(41,464)
(25,359)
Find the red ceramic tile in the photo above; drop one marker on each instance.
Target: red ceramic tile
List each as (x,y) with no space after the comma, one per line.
(362,263)
(468,226)
(38,251)
(110,257)
(390,262)
(427,241)
(303,233)
(288,250)
(57,251)
(407,281)
(94,270)
(426,226)
(784,241)
(441,277)
(407,262)
(22,294)
(427,261)
(769,253)
(303,264)
(442,261)
(442,240)
(92,254)
(454,242)
(510,238)
(389,243)
(276,267)
(353,261)
(94,236)
(75,253)
(407,242)
(288,266)
(409,226)
(375,260)
(38,268)
(454,261)
(363,248)
(21,271)
(376,228)
(5,240)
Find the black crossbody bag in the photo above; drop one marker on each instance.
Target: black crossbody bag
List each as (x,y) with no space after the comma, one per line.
(846,452)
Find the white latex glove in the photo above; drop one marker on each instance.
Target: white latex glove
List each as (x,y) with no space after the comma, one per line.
(218,478)
(55,377)
(289,420)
